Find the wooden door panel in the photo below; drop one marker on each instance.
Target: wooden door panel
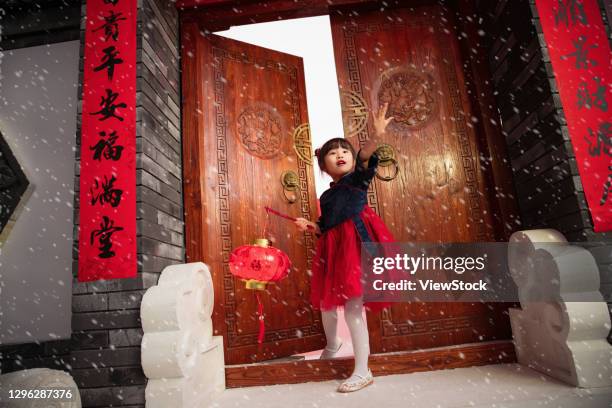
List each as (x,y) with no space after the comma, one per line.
(410,58)
(248,101)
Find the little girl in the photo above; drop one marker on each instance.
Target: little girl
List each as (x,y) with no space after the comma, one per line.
(346,221)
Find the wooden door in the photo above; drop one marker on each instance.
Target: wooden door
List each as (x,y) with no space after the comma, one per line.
(410,58)
(241,105)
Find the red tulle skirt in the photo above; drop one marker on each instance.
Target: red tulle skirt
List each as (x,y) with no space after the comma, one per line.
(336,267)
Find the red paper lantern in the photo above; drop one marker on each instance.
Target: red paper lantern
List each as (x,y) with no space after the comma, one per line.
(259,264)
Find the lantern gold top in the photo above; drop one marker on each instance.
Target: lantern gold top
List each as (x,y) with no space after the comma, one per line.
(255,284)
(262,242)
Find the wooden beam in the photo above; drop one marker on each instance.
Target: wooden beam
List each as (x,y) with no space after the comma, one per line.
(187,4)
(217,15)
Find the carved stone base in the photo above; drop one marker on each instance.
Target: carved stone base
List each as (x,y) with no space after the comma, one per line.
(199,389)
(582,362)
(181,358)
(554,334)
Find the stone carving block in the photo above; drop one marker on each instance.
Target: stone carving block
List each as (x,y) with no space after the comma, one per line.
(563,338)
(181,358)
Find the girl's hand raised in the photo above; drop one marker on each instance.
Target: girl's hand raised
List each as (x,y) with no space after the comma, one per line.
(380,121)
(380,125)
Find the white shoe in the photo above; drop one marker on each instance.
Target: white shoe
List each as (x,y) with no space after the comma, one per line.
(329,353)
(356,385)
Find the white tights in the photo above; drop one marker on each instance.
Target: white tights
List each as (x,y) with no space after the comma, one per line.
(353,314)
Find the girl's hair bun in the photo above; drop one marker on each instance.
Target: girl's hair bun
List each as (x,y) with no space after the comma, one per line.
(317,151)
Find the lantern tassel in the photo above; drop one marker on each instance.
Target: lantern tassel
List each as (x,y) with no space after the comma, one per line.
(260,315)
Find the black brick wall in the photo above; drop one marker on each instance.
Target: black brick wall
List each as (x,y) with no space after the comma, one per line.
(549,191)
(548,187)
(105,349)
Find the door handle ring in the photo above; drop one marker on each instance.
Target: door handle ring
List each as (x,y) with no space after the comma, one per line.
(387,157)
(290,182)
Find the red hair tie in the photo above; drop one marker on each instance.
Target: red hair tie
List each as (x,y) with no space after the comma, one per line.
(317,151)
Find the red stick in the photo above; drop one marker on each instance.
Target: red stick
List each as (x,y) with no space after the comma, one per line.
(288,217)
(270,210)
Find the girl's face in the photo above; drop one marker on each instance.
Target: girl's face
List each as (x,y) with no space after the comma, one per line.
(338,162)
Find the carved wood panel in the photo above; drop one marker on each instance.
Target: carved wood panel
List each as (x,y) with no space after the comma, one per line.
(410,58)
(250,100)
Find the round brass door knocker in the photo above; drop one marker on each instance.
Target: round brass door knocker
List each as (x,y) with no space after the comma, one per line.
(386,158)
(290,182)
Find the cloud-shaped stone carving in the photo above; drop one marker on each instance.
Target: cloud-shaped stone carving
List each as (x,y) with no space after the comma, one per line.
(180,356)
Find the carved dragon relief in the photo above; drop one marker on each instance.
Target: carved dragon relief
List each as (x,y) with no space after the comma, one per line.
(261,129)
(411,95)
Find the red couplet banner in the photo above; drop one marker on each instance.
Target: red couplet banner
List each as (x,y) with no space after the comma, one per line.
(107,197)
(580,56)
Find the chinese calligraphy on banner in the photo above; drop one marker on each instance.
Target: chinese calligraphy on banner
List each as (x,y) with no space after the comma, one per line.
(107,198)
(580,56)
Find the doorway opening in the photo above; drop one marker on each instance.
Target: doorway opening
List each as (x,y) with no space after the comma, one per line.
(236,94)
(309,38)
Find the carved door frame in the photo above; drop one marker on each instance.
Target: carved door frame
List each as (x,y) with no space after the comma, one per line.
(489,136)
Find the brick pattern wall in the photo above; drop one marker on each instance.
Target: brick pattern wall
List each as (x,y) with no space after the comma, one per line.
(549,190)
(606,12)
(600,244)
(545,175)
(105,350)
